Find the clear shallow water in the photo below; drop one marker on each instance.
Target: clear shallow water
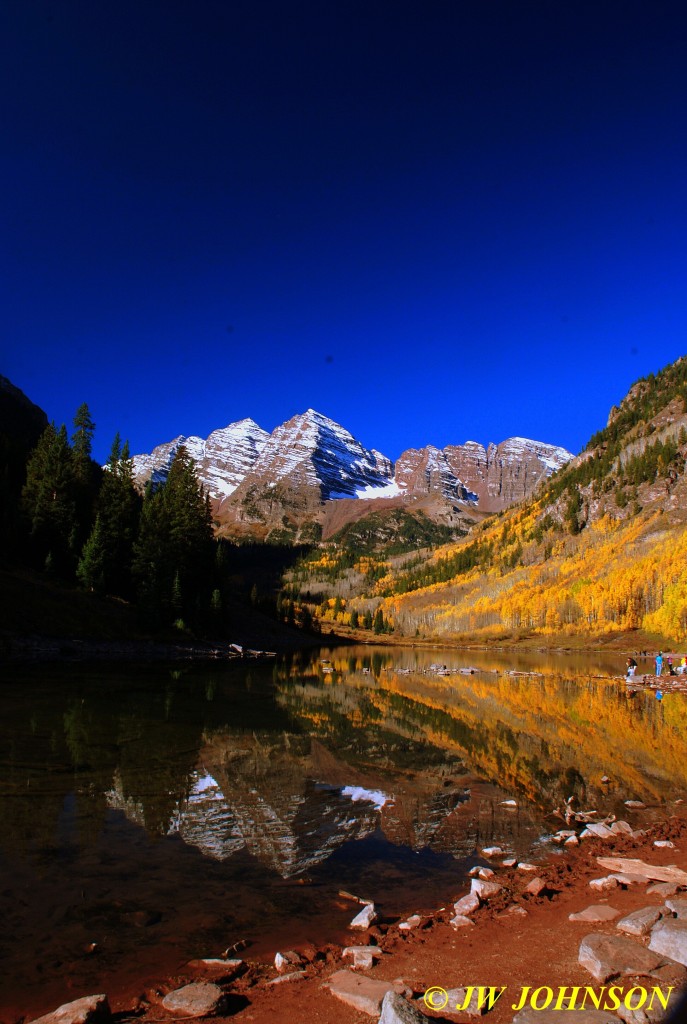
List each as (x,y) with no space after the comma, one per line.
(164,814)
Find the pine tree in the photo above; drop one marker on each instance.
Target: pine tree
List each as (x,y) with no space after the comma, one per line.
(378,623)
(87,475)
(90,570)
(49,503)
(175,539)
(118,508)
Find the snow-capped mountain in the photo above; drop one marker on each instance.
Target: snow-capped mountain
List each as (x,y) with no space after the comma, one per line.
(313,451)
(223,460)
(261,483)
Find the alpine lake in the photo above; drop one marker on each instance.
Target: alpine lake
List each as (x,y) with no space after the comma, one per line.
(150,815)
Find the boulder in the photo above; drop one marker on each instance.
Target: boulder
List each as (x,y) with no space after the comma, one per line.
(397,1010)
(364,994)
(363,956)
(87,1010)
(664,844)
(485,889)
(509,862)
(595,914)
(287,961)
(606,956)
(200,999)
(650,1015)
(639,867)
(485,873)
(604,884)
(535,887)
(640,922)
(467,904)
(669,937)
(492,851)
(635,805)
(663,888)
(365,918)
(572,841)
(625,878)
(621,828)
(598,830)
(524,866)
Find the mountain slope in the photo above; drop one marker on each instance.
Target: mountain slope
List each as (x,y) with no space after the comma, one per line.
(600,549)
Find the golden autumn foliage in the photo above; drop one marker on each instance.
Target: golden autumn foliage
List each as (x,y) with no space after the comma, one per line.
(542,736)
(615,576)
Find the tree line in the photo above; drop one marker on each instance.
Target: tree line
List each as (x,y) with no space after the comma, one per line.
(88,524)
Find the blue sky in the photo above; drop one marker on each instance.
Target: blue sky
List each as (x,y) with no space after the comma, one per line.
(432,221)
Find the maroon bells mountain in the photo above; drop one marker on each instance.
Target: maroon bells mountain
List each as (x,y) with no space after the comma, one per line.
(264,484)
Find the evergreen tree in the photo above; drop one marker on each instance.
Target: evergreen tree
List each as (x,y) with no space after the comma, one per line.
(354,619)
(49,503)
(87,475)
(118,508)
(378,622)
(367,619)
(90,570)
(175,542)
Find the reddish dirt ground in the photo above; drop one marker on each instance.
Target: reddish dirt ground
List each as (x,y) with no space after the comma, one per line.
(500,950)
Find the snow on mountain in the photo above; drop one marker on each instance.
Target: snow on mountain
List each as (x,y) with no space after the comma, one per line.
(311,459)
(222,461)
(312,450)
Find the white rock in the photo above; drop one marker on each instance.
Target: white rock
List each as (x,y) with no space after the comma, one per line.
(664,844)
(79,1011)
(285,961)
(200,999)
(485,889)
(365,918)
(397,1010)
(467,904)
(603,884)
(524,866)
(492,851)
(460,921)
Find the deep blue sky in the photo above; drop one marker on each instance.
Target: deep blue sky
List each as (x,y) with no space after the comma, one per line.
(432,221)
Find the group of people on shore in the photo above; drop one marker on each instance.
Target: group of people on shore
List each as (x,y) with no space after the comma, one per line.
(660,661)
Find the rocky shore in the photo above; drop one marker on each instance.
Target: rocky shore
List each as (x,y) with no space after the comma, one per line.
(599,925)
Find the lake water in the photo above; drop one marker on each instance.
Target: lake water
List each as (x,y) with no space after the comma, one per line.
(163,814)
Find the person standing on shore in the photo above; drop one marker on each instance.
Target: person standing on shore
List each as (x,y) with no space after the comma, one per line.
(631,667)
(659,663)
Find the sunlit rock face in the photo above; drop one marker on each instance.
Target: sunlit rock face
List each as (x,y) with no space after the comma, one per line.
(262,482)
(222,460)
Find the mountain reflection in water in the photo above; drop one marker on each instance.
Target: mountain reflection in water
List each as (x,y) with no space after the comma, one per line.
(193,799)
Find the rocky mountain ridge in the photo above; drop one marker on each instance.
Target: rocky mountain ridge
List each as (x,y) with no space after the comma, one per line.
(261,483)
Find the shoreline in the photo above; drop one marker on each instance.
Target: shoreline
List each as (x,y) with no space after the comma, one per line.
(519,937)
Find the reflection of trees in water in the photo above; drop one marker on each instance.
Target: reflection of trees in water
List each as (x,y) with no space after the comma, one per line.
(547,737)
(83,732)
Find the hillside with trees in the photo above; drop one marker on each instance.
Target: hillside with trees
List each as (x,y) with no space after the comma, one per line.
(598,552)
(87,555)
